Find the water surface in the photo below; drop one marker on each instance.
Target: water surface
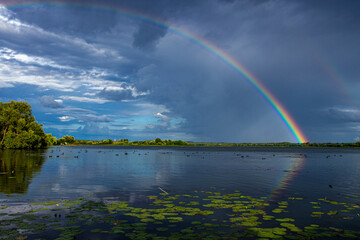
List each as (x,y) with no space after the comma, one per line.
(131,174)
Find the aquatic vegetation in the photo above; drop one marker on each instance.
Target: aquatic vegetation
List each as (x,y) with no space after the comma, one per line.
(165,216)
(285,220)
(45,203)
(71,203)
(333,212)
(39,209)
(278,210)
(68,232)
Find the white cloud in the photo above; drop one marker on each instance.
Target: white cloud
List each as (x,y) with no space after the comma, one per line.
(54,69)
(50,102)
(4,13)
(162,116)
(164,120)
(5,84)
(61,79)
(9,54)
(350,114)
(14,72)
(118,91)
(45,82)
(85,99)
(14,28)
(66,118)
(63,127)
(89,94)
(87,118)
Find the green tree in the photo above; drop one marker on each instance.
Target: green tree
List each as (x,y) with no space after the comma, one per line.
(66,140)
(18,128)
(107,141)
(180,142)
(50,139)
(158,141)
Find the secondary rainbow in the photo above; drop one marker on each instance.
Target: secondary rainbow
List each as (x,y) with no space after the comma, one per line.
(203,43)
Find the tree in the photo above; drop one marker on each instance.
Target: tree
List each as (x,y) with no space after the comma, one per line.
(180,142)
(107,141)
(158,141)
(66,140)
(50,139)
(18,128)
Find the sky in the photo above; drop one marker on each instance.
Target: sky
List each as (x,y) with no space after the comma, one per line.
(99,69)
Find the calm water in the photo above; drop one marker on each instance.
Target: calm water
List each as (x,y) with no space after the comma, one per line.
(131,174)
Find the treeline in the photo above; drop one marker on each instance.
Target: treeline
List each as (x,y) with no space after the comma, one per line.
(70,140)
(19,130)
(279,144)
(341,145)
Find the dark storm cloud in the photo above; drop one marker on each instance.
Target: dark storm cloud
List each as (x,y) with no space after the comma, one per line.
(305,52)
(345,114)
(120,93)
(227,1)
(215,102)
(94,131)
(81,115)
(285,48)
(147,36)
(80,20)
(116,95)
(63,49)
(49,101)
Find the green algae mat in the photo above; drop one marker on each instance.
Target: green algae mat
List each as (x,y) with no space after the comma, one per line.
(199,215)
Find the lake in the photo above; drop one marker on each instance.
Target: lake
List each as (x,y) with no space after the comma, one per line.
(112,192)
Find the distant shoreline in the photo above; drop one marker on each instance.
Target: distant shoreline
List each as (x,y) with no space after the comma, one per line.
(228,145)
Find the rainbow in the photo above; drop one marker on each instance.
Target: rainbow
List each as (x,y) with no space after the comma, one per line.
(201,42)
(339,80)
(284,182)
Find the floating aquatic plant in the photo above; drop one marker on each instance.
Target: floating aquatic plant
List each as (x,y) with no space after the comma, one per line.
(213,215)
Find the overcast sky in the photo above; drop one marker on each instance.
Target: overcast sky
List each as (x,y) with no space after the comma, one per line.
(93,72)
